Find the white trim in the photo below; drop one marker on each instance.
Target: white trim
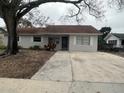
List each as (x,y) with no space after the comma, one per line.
(107,36)
(82,38)
(74,40)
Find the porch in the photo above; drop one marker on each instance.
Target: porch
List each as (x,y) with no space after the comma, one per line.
(59,42)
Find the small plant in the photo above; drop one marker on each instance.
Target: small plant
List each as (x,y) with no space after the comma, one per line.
(35,47)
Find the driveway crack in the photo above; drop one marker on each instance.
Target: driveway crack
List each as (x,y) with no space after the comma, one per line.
(72,72)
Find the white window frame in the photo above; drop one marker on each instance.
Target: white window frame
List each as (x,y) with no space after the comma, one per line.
(37,36)
(81,40)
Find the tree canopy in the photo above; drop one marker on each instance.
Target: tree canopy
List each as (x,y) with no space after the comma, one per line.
(105,31)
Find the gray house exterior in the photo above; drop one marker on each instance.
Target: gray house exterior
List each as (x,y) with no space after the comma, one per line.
(1,36)
(116,39)
(66,37)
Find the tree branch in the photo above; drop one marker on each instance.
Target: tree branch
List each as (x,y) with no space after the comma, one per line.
(27,7)
(38,2)
(91,8)
(5,2)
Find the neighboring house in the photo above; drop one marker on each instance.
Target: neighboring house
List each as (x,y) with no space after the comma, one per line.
(66,37)
(1,36)
(116,39)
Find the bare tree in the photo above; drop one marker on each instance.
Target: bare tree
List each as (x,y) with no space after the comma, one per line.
(119,4)
(32,19)
(94,8)
(36,18)
(12,10)
(23,23)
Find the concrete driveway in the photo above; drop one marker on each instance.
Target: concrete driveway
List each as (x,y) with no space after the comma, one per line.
(73,72)
(83,66)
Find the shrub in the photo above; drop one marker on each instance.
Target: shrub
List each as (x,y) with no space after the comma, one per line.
(2,47)
(35,47)
(20,47)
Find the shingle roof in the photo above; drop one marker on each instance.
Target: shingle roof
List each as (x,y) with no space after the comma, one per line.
(59,29)
(71,29)
(30,30)
(119,35)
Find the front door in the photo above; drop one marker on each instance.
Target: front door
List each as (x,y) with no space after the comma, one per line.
(65,43)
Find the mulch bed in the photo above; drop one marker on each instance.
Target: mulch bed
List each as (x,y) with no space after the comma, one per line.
(25,64)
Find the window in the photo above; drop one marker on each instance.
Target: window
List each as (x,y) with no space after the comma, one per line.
(83,40)
(17,38)
(113,42)
(37,38)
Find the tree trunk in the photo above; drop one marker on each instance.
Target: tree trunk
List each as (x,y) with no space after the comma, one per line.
(11,24)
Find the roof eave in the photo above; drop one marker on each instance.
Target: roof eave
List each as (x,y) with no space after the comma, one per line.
(60,34)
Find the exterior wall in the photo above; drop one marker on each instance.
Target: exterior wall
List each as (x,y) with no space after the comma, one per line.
(85,48)
(5,40)
(112,37)
(1,38)
(27,41)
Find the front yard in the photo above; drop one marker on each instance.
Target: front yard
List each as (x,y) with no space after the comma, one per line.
(23,65)
(117,53)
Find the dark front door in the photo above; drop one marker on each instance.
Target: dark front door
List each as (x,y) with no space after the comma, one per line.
(65,43)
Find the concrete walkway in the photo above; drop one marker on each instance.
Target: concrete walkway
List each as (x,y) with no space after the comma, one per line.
(73,72)
(34,86)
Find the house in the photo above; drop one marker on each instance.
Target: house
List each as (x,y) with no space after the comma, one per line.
(1,36)
(115,39)
(66,37)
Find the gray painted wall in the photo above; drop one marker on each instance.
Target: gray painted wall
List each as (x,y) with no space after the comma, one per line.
(27,41)
(1,38)
(85,48)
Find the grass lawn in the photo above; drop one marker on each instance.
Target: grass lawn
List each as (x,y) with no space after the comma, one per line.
(23,65)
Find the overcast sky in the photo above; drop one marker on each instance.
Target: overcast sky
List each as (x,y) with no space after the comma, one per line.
(114,19)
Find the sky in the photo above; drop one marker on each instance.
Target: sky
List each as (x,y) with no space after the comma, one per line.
(113,18)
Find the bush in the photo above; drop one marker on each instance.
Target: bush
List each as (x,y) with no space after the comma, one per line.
(105,47)
(2,47)
(118,49)
(35,47)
